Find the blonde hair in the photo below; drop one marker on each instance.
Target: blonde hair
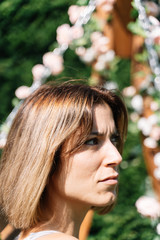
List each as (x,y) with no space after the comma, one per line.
(49,117)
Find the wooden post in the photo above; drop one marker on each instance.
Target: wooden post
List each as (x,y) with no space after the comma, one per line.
(122,36)
(137,80)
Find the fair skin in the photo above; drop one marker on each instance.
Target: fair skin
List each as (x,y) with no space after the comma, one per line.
(88,178)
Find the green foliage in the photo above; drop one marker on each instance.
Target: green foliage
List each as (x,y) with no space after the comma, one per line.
(135,28)
(27,31)
(142,57)
(120,72)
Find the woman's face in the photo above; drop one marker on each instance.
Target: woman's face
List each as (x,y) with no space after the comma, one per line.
(90,176)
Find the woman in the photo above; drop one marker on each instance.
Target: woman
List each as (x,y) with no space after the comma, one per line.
(61,159)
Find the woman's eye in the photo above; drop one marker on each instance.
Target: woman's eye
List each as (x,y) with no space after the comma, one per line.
(93,141)
(115,139)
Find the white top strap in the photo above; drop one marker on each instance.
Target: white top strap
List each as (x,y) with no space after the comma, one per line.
(33,236)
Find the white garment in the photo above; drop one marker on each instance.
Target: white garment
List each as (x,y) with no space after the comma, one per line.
(35,235)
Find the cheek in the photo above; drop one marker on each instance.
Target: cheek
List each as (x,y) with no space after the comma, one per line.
(85,162)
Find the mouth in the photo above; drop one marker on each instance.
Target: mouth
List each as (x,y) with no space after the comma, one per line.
(110,180)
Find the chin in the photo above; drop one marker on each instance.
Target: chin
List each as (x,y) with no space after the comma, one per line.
(108,205)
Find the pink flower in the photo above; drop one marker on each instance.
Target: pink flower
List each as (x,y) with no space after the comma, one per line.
(38,72)
(155,133)
(95,36)
(106,5)
(74,13)
(154,21)
(157,40)
(158,228)
(100,2)
(152,8)
(99,66)
(54,62)
(156,159)
(77,32)
(22,92)
(80,51)
(134,117)
(148,207)
(157,173)
(89,55)
(101,45)
(137,103)
(129,91)
(155,33)
(150,142)
(154,106)
(64,34)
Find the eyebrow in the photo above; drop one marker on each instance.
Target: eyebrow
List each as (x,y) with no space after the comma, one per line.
(115,132)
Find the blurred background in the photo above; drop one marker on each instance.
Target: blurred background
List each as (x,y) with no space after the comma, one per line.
(118,46)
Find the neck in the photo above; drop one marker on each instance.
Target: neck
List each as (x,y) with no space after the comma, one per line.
(64,215)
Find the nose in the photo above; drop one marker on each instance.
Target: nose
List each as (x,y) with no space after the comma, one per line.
(112,157)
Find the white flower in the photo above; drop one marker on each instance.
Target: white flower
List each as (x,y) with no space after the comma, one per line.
(99,2)
(54,62)
(80,51)
(95,36)
(22,92)
(157,159)
(129,91)
(134,117)
(77,32)
(107,7)
(38,72)
(101,44)
(158,228)
(152,119)
(99,66)
(154,106)
(142,121)
(155,32)
(111,85)
(74,12)
(107,57)
(148,207)
(145,126)
(150,142)
(152,8)
(155,133)
(154,21)
(137,103)
(89,55)
(157,173)
(64,34)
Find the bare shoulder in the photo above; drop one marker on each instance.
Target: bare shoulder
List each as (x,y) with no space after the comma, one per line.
(57,236)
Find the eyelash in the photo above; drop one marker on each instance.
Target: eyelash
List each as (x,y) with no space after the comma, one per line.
(115,139)
(94,141)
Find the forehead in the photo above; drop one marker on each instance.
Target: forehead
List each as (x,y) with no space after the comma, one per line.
(103,121)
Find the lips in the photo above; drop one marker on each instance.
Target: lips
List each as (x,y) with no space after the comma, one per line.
(112,177)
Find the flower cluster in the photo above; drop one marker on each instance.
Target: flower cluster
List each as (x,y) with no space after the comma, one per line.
(148,207)
(148,124)
(153,11)
(106,6)
(98,54)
